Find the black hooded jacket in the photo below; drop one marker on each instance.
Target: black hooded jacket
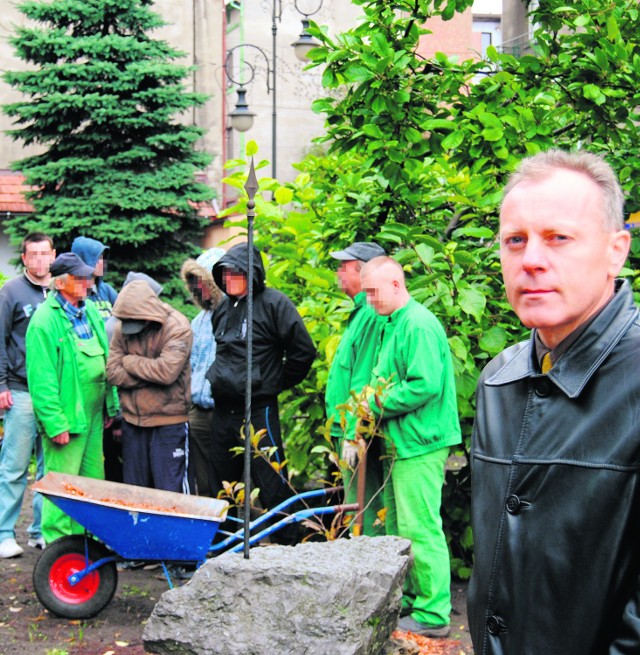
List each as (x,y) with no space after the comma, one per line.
(282,348)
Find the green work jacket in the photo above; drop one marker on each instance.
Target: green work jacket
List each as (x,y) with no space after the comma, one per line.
(352,362)
(53,373)
(419,408)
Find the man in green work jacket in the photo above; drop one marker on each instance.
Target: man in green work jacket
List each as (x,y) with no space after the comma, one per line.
(419,419)
(351,371)
(67,349)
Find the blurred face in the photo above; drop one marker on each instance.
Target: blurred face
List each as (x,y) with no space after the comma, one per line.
(558,262)
(199,288)
(382,292)
(349,277)
(37,259)
(235,283)
(98,271)
(74,289)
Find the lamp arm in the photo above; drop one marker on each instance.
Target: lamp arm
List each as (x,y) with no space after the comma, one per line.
(304,13)
(241,82)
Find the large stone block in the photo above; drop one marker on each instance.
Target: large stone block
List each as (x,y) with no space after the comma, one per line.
(333,598)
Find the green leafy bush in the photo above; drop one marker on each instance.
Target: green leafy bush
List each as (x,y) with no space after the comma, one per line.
(415,154)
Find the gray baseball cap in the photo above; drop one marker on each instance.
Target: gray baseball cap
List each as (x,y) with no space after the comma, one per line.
(132,276)
(362,250)
(133,326)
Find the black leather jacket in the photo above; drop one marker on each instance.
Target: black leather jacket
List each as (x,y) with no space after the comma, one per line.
(556,496)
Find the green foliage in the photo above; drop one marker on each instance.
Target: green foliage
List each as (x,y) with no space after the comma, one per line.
(103,98)
(133,591)
(418,151)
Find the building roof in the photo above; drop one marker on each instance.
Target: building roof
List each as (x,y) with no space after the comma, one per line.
(13,188)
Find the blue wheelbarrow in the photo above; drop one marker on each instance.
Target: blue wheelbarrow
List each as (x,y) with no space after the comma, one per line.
(76,576)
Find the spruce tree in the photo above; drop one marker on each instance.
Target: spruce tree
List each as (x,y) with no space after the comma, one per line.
(105,99)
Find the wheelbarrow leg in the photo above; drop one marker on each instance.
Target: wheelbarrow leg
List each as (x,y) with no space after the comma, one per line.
(167,575)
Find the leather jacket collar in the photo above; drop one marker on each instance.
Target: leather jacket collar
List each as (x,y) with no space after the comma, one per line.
(573,371)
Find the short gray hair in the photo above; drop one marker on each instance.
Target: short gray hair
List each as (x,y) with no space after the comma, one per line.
(63,278)
(580,161)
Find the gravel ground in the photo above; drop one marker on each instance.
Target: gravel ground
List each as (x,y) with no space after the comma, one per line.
(26,628)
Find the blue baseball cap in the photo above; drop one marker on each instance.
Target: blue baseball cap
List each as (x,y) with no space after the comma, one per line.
(69,262)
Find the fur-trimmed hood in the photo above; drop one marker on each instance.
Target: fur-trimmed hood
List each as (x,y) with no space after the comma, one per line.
(201,268)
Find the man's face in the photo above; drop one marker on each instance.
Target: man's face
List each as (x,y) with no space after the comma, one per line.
(235,283)
(349,277)
(381,293)
(37,259)
(558,261)
(75,288)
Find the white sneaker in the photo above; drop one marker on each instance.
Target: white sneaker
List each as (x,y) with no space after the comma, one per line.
(36,542)
(9,548)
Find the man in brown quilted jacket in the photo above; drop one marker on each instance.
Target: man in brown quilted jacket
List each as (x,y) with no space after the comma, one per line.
(149,363)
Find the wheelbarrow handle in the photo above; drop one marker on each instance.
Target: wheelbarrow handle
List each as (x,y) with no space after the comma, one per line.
(239,536)
(296,517)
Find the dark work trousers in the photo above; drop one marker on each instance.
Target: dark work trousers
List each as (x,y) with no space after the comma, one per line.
(201,428)
(112,450)
(155,457)
(229,433)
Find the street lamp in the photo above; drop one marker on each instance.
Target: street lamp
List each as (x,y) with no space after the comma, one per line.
(241,117)
(304,43)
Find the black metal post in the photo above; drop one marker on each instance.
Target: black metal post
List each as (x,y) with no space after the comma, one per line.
(251,187)
(274,118)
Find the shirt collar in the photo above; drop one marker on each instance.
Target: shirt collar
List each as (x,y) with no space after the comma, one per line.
(36,284)
(400,312)
(70,309)
(588,350)
(360,299)
(557,352)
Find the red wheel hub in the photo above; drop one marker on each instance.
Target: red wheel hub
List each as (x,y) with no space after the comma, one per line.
(59,574)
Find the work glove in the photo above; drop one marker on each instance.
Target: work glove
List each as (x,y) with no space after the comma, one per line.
(350,452)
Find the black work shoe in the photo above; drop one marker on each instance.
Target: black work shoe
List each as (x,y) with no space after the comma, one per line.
(409,624)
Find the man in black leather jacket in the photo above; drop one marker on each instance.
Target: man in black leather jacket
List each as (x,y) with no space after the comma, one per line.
(556,444)
(282,356)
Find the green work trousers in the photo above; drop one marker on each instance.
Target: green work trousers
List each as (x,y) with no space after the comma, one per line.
(413,498)
(83,454)
(373,492)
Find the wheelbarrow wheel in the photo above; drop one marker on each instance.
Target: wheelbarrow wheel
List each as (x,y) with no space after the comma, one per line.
(63,558)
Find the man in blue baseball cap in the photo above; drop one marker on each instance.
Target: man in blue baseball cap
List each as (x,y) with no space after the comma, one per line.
(66,372)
